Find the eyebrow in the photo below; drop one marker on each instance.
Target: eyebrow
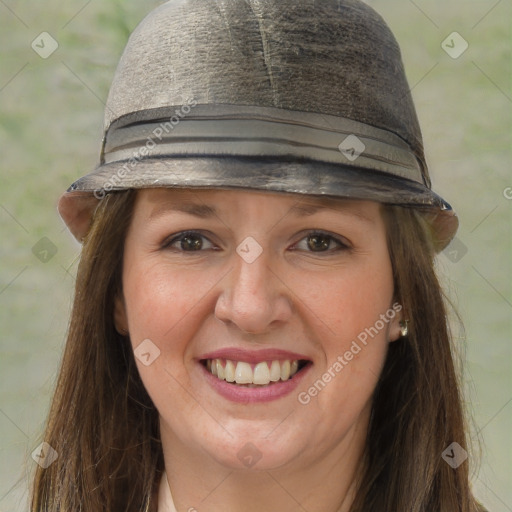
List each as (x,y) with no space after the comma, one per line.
(305,210)
(202,211)
(205,211)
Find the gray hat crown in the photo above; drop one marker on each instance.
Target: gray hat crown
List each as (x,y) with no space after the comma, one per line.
(329,57)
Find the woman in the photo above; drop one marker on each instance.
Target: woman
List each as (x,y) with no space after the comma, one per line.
(256,306)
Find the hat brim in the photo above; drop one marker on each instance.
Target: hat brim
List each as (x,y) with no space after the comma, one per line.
(77,205)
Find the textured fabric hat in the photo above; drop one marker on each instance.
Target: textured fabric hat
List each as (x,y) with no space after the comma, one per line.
(295,96)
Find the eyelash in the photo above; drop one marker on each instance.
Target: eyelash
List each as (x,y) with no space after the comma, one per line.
(341,246)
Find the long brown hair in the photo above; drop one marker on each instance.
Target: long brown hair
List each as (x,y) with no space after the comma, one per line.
(102,422)
(105,428)
(417,405)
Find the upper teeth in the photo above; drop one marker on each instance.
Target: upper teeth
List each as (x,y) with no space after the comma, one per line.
(244,373)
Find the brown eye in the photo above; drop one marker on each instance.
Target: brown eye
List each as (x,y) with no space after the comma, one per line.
(191,243)
(188,242)
(320,242)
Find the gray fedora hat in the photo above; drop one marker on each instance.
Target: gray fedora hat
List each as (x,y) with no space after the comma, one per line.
(298,96)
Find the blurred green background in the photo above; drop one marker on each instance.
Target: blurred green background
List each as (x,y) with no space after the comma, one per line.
(51,113)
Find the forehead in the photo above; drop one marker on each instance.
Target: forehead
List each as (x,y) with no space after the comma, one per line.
(208,201)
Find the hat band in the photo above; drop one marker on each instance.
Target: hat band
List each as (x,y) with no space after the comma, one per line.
(263,132)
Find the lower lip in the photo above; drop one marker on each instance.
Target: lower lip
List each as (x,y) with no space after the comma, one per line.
(245,395)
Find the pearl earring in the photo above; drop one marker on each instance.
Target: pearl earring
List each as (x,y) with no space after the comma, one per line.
(404,329)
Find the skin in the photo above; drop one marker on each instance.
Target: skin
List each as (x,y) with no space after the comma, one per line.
(291,297)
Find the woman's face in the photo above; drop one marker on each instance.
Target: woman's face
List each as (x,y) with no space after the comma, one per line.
(260,321)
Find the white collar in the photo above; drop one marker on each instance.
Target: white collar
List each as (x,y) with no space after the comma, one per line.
(165,501)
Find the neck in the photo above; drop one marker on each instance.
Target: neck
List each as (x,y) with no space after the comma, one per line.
(326,482)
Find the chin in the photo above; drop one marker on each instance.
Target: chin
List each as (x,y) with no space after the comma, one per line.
(253,448)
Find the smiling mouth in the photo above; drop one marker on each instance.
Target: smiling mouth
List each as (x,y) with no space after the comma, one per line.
(265,373)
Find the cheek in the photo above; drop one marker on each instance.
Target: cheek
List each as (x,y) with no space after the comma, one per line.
(157,301)
(354,341)
(162,307)
(346,302)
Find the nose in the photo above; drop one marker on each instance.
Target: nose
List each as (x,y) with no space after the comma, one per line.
(253,297)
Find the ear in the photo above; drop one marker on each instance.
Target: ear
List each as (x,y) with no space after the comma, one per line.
(120,318)
(396,323)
